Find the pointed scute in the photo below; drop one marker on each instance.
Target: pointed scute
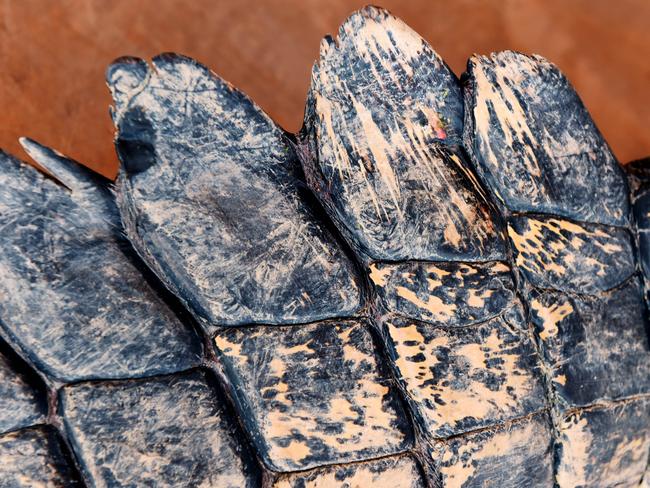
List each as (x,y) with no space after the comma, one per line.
(211,195)
(385,119)
(535,144)
(88,187)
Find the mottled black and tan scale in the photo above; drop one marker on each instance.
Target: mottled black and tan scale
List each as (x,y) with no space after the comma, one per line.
(463,379)
(514,455)
(391,472)
(566,203)
(444,293)
(314,395)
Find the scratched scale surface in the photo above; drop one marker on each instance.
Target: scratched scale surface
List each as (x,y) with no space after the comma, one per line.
(435,283)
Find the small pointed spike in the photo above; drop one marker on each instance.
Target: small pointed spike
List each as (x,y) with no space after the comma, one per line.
(68,172)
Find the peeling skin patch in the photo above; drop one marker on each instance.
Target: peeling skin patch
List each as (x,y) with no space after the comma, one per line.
(582,258)
(595,347)
(392,472)
(21,405)
(604,446)
(459,380)
(385,118)
(69,295)
(211,197)
(449,294)
(34,458)
(535,144)
(314,394)
(170,431)
(516,455)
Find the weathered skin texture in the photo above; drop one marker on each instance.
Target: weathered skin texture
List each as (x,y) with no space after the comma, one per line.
(211,199)
(565,201)
(73,301)
(443,309)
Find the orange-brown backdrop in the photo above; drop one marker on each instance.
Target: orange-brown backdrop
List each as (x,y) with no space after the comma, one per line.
(53,55)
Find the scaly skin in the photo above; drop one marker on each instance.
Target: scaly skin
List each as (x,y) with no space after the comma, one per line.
(435,283)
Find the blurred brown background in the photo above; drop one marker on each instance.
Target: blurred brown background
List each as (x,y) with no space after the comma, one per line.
(53,55)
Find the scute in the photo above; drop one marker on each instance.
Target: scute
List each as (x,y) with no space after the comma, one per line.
(574,257)
(315,394)
(516,455)
(211,197)
(596,347)
(391,472)
(536,145)
(169,431)
(444,293)
(385,119)
(463,379)
(605,445)
(21,402)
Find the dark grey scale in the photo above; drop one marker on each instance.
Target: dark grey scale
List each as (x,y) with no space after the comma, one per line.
(565,200)
(595,347)
(78,305)
(382,149)
(35,457)
(74,302)
(165,431)
(211,198)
